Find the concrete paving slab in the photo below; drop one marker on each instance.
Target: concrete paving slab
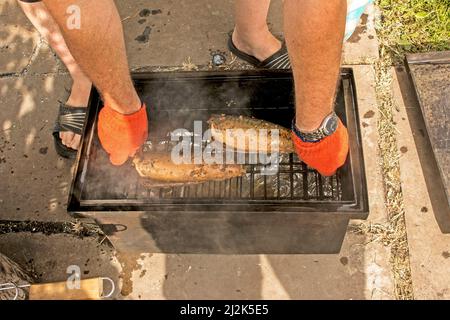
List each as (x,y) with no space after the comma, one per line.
(362,47)
(18,39)
(35,181)
(368,117)
(45,61)
(429,247)
(345,276)
(22,49)
(251,276)
(178,30)
(378,269)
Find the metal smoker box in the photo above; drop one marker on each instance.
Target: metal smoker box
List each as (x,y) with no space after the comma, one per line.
(294,211)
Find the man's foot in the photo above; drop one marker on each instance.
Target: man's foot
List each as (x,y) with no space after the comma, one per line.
(261,45)
(79,98)
(70,120)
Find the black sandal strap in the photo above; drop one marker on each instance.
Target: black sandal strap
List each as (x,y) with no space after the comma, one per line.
(242,55)
(70,119)
(279,60)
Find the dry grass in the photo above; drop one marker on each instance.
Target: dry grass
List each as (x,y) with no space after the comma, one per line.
(390,166)
(188,65)
(232,63)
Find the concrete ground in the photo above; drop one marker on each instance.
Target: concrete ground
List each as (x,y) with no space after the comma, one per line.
(35,182)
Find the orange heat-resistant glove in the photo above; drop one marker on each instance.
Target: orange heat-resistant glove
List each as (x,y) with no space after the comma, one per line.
(122,135)
(327,155)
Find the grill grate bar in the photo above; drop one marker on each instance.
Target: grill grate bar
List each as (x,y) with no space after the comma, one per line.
(305,183)
(252,182)
(291,174)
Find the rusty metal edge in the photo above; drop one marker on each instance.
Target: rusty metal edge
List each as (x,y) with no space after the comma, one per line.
(439,57)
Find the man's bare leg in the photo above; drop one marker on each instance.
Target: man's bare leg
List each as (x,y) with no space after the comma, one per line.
(99,48)
(98,45)
(251,33)
(39,16)
(314,32)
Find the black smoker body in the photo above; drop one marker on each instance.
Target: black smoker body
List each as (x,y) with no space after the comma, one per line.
(294,211)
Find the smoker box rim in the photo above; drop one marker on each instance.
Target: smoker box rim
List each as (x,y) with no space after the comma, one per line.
(436,57)
(359,208)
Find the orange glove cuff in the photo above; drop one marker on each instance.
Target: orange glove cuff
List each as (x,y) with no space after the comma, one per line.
(327,155)
(122,135)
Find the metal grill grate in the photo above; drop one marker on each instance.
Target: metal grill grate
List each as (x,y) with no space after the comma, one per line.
(293,181)
(99,186)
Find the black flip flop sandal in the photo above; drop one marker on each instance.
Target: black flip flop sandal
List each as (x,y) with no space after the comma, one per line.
(279,60)
(69,119)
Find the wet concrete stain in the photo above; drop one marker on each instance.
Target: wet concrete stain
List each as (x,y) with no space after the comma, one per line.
(369,114)
(360,29)
(145,36)
(129,263)
(344,261)
(442,293)
(148,12)
(404,150)
(142,21)
(144,13)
